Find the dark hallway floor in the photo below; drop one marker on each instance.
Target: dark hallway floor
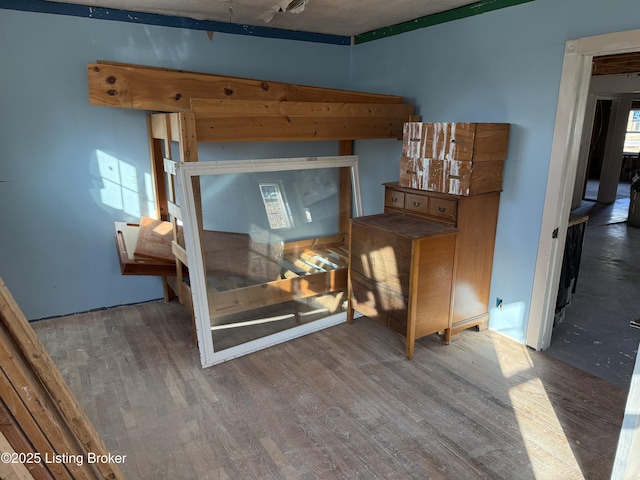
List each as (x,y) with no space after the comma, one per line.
(595,335)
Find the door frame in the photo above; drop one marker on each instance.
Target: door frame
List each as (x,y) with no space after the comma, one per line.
(565,150)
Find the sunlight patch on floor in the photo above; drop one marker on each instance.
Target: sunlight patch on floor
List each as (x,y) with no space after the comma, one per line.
(537,419)
(535,415)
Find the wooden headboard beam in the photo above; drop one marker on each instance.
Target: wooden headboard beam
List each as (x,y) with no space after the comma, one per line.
(205,107)
(164,90)
(287,129)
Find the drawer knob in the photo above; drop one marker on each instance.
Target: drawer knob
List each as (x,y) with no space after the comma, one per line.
(416,204)
(442,209)
(394,199)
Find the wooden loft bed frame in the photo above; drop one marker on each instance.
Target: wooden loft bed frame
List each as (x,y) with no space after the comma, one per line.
(199,107)
(250,294)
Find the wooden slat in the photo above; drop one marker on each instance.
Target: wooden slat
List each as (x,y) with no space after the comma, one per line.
(10,470)
(283,128)
(189,153)
(302,264)
(20,443)
(29,426)
(179,252)
(37,401)
(341,253)
(132,86)
(45,370)
(254,108)
(345,199)
(181,288)
(158,127)
(319,242)
(273,293)
(154,239)
(290,274)
(320,260)
(173,127)
(130,265)
(616,64)
(187,136)
(174,210)
(159,147)
(155,154)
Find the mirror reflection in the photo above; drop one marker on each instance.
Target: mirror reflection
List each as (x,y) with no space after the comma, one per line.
(273,252)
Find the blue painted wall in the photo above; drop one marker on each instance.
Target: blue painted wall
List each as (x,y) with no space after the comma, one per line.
(502,66)
(57,254)
(68,170)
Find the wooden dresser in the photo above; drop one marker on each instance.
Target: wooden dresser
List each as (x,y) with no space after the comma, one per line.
(450,176)
(475,218)
(401,274)
(451,173)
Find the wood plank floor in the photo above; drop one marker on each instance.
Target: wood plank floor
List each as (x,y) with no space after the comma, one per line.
(342,403)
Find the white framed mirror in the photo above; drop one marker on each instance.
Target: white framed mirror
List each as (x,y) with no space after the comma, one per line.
(266,244)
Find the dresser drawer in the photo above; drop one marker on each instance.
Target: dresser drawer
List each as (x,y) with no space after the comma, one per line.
(401,272)
(438,141)
(393,198)
(456,141)
(416,203)
(431,206)
(452,177)
(445,209)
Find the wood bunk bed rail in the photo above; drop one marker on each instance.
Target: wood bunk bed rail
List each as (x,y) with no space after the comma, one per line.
(236,120)
(298,270)
(165,90)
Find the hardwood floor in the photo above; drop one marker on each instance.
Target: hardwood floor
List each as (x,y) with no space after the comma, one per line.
(340,403)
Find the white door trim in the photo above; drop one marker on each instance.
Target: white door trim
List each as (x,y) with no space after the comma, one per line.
(565,149)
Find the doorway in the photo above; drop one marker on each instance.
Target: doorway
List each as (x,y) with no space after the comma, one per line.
(591,329)
(568,132)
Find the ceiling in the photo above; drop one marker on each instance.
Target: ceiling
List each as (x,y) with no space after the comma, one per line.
(334,17)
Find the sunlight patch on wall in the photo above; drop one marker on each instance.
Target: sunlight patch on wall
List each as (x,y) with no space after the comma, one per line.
(120,189)
(509,319)
(150,193)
